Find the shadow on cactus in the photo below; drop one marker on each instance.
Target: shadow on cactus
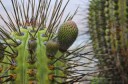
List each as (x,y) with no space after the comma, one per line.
(34,44)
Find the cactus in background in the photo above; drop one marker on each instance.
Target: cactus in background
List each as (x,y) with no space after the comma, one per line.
(31,50)
(108,29)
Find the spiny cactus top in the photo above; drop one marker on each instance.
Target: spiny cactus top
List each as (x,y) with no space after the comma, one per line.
(31,49)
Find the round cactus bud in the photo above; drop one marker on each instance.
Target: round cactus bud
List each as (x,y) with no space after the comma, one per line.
(32,44)
(51,48)
(67,34)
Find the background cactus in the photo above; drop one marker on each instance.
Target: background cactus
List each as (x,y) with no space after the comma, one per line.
(30,43)
(108,29)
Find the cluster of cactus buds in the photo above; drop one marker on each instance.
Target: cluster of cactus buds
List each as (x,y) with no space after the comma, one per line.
(67,34)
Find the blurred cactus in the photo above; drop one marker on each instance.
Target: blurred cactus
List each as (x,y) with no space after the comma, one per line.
(108,29)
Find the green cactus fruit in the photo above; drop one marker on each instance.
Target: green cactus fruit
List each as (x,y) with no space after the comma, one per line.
(67,34)
(51,48)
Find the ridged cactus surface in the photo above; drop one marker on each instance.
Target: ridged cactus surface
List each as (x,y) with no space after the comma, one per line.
(108,29)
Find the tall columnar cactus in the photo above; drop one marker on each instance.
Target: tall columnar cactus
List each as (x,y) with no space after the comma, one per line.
(108,29)
(31,49)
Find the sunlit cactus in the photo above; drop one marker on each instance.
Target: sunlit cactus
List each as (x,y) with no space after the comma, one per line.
(34,43)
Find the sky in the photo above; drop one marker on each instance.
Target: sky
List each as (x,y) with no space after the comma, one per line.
(80,18)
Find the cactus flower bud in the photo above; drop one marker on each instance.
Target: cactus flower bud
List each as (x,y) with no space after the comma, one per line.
(67,34)
(51,48)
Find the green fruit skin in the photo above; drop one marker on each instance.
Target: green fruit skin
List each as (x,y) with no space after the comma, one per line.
(67,34)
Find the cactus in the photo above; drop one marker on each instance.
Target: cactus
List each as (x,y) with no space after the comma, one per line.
(31,49)
(108,29)
(51,48)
